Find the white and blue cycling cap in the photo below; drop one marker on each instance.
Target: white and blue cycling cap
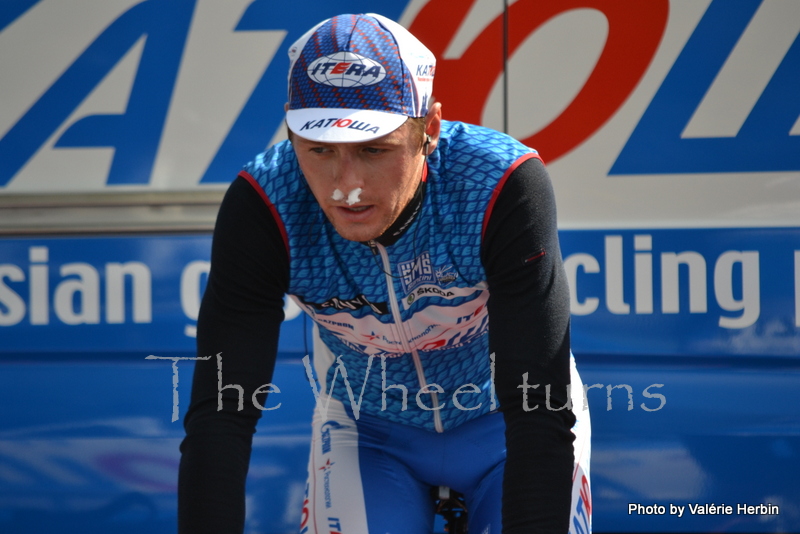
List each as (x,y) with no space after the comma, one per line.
(355,78)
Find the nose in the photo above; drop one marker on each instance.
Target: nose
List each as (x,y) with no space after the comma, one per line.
(348,174)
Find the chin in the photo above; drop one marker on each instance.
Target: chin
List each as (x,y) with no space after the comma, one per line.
(357,235)
(360,233)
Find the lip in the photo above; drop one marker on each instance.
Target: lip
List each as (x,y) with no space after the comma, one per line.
(346,213)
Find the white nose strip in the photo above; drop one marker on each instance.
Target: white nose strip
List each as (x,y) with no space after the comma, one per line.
(352,197)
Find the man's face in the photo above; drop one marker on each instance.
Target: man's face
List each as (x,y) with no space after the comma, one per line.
(388,171)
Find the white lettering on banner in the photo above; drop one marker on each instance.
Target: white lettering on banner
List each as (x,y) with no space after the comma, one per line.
(76,299)
(590,265)
(115,292)
(85,289)
(614,279)
(726,275)
(642,279)
(191,289)
(192,292)
(40,313)
(644,273)
(750,303)
(11,302)
(696,264)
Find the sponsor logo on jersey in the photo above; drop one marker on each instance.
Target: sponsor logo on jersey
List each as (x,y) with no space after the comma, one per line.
(472,327)
(325,434)
(334,525)
(434,291)
(419,271)
(446,275)
(355,303)
(414,273)
(326,469)
(346,69)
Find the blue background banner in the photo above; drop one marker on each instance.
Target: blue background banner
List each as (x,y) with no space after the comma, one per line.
(687,292)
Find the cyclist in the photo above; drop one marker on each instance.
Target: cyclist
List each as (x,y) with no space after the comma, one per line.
(427,255)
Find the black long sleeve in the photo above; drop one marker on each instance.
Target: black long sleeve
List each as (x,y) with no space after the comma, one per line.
(529,334)
(240,318)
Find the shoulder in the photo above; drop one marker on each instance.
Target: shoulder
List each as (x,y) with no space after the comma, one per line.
(474,152)
(471,163)
(275,171)
(277,160)
(461,135)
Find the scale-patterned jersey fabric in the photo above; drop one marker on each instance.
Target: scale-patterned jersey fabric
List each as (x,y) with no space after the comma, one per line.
(436,277)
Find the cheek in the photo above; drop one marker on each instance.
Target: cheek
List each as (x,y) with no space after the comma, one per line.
(411,175)
(316,181)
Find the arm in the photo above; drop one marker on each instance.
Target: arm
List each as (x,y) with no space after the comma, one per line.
(240,317)
(529,333)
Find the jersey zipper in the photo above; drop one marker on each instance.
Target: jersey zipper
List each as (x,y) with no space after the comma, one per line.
(407,346)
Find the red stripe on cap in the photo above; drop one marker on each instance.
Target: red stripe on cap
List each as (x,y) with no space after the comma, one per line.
(275,215)
(501,183)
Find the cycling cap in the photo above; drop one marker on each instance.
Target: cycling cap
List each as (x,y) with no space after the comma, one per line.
(357,77)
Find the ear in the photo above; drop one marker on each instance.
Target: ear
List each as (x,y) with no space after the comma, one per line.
(433,126)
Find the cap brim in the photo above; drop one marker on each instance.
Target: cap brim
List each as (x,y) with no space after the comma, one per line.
(334,125)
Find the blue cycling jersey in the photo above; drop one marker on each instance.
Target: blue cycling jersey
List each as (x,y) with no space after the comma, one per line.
(407,325)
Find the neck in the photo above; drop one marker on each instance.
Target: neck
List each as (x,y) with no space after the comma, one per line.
(405,219)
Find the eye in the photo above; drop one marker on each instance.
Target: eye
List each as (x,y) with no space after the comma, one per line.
(319,149)
(374,150)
